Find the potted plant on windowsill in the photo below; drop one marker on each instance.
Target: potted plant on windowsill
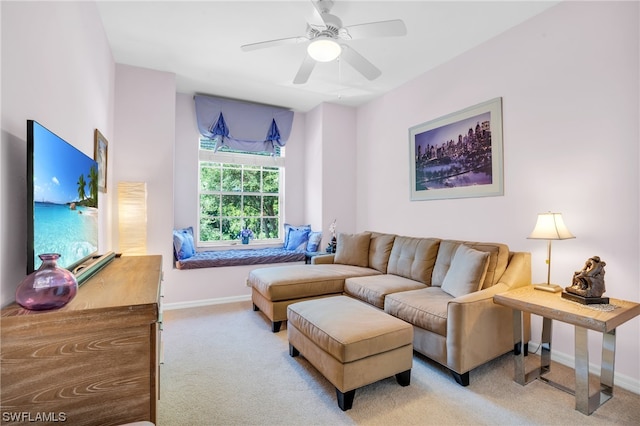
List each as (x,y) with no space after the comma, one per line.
(245,235)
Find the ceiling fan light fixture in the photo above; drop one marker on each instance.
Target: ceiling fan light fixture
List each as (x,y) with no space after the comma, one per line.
(324,49)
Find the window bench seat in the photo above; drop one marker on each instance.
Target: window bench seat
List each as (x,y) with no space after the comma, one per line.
(261,256)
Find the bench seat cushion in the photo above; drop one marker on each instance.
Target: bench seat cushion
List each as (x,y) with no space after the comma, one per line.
(290,282)
(425,308)
(348,329)
(260,256)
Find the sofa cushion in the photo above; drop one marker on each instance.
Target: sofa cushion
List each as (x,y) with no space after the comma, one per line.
(425,308)
(353,249)
(290,282)
(498,259)
(413,258)
(467,271)
(373,289)
(380,250)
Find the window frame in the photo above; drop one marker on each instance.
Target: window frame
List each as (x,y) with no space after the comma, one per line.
(246,159)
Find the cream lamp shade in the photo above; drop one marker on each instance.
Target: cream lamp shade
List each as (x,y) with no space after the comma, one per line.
(324,49)
(132,218)
(550,226)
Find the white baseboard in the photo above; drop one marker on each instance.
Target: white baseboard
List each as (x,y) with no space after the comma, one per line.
(205,302)
(619,380)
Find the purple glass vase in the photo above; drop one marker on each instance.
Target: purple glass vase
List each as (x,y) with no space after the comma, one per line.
(50,287)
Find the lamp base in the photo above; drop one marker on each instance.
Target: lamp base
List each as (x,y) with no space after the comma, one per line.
(551,288)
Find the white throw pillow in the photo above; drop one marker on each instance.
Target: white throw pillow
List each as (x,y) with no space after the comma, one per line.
(467,271)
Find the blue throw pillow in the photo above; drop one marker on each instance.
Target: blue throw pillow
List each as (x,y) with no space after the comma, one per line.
(314,241)
(183,243)
(286,231)
(297,239)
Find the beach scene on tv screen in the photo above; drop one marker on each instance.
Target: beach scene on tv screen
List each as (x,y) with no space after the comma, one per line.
(65,192)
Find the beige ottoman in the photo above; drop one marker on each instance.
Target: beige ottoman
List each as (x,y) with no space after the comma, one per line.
(351,343)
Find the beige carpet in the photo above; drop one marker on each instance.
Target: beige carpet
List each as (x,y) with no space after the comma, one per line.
(223,366)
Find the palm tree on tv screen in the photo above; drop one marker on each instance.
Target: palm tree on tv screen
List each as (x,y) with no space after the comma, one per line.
(93,186)
(81,185)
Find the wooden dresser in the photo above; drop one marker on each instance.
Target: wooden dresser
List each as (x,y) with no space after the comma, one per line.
(93,362)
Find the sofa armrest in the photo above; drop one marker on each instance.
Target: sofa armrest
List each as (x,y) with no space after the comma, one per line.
(479,330)
(518,272)
(323,259)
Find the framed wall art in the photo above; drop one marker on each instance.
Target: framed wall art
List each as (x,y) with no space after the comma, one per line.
(100,152)
(458,155)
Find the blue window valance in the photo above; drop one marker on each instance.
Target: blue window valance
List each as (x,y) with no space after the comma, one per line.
(242,125)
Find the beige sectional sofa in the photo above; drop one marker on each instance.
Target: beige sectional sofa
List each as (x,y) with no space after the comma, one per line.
(443,288)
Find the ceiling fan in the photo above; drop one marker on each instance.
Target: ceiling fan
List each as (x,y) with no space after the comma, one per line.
(324,37)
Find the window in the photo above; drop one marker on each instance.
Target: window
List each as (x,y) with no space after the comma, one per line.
(236,190)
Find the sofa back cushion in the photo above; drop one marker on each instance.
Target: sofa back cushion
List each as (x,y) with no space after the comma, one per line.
(498,259)
(467,271)
(353,249)
(413,258)
(380,250)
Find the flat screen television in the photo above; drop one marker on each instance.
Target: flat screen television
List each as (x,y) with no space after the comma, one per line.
(62,188)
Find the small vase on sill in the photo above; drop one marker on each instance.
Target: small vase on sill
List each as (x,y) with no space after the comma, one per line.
(50,287)
(245,240)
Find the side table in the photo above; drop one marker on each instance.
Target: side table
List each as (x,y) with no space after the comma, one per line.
(551,306)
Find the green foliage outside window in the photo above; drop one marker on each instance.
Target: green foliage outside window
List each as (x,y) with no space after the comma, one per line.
(233,196)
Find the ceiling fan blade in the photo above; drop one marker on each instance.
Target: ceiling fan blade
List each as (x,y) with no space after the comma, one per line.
(315,18)
(305,70)
(393,28)
(360,63)
(273,43)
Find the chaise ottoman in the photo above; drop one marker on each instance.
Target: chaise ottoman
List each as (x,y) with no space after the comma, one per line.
(276,287)
(351,343)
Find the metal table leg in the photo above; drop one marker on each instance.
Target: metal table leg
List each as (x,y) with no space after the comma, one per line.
(520,375)
(608,363)
(545,354)
(586,403)
(523,377)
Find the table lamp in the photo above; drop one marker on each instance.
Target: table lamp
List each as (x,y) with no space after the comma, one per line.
(550,226)
(132,218)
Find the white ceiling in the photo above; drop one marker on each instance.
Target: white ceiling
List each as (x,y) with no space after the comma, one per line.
(200,42)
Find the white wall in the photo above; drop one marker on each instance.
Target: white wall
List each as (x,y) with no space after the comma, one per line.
(314,172)
(145,116)
(338,159)
(569,82)
(57,68)
(185,209)
(330,179)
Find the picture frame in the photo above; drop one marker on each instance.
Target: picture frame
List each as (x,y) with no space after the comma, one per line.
(100,154)
(459,155)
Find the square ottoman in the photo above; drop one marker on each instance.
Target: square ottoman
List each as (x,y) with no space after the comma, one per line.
(351,343)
